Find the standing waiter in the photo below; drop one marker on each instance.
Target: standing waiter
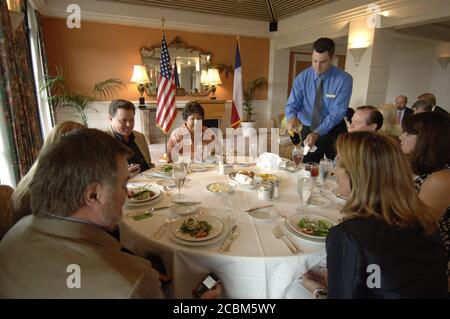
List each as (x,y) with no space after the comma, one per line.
(319,99)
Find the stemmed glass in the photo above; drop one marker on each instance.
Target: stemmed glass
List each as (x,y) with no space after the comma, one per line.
(297,154)
(179,173)
(304,189)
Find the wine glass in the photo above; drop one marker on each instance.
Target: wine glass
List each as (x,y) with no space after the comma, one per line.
(304,190)
(179,172)
(297,155)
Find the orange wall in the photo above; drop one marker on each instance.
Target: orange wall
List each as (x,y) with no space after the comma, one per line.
(98,51)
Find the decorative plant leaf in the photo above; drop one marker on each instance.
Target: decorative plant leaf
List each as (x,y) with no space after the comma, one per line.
(258,84)
(60,96)
(108,88)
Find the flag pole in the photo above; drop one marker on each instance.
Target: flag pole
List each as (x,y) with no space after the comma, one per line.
(165,157)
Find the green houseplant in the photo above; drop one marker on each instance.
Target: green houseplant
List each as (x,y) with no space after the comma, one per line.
(61,96)
(258,84)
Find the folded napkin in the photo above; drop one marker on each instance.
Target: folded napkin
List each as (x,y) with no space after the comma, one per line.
(243,179)
(269,160)
(308,149)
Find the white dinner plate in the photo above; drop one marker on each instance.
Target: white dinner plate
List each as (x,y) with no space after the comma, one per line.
(156,192)
(147,203)
(198,168)
(217,228)
(159,170)
(179,209)
(214,240)
(294,219)
(261,214)
(288,226)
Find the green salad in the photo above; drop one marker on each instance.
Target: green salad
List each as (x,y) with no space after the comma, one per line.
(166,168)
(196,228)
(140,194)
(314,227)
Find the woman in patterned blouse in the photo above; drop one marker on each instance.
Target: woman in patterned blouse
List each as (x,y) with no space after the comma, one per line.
(426,142)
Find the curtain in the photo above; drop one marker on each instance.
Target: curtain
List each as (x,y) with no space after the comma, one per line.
(19,101)
(44,62)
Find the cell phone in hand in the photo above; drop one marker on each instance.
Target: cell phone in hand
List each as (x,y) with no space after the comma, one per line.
(208,283)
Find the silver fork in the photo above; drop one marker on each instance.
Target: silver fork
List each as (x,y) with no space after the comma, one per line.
(278,232)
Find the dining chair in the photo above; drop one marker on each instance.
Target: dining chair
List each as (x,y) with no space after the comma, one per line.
(6,212)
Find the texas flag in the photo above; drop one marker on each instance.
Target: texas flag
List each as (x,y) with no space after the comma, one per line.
(236,107)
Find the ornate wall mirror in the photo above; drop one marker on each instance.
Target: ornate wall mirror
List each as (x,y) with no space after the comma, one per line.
(190,61)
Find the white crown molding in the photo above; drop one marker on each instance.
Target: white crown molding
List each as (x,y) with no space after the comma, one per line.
(137,15)
(332,19)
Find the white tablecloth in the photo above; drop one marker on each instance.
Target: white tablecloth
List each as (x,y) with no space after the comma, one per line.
(258,264)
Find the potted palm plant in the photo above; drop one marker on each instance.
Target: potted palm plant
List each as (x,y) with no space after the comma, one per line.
(258,84)
(61,96)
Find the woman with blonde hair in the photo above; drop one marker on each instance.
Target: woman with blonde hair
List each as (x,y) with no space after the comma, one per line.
(20,197)
(391,126)
(388,245)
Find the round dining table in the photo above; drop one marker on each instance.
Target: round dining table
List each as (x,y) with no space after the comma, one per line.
(258,264)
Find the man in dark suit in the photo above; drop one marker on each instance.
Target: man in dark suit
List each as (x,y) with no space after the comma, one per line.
(430,98)
(402,110)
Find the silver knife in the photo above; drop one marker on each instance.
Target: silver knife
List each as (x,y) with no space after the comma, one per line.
(227,239)
(232,239)
(256,208)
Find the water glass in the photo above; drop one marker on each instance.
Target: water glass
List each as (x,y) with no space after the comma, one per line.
(304,189)
(179,173)
(325,170)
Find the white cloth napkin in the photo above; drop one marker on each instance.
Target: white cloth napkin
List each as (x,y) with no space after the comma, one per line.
(307,149)
(269,160)
(243,179)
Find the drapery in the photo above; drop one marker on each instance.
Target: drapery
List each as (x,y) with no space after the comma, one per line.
(17,92)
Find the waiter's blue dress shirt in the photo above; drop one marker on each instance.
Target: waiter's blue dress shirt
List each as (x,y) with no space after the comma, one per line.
(337,90)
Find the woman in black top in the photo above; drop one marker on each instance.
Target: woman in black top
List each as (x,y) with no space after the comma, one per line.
(388,245)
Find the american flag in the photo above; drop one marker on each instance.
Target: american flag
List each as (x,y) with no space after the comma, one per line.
(166,110)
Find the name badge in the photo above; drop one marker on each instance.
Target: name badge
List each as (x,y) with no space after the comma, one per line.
(330,96)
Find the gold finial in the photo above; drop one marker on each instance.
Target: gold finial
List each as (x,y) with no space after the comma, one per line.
(163,21)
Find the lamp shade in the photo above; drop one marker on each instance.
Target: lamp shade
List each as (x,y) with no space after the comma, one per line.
(139,75)
(213,77)
(204,77)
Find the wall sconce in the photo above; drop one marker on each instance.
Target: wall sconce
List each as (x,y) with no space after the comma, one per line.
(213,79)
(357,53)
(15,15)
(140,78)
(443,61)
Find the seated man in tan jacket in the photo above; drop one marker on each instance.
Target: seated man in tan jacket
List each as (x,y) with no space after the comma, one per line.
(64,250)
(121,115)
